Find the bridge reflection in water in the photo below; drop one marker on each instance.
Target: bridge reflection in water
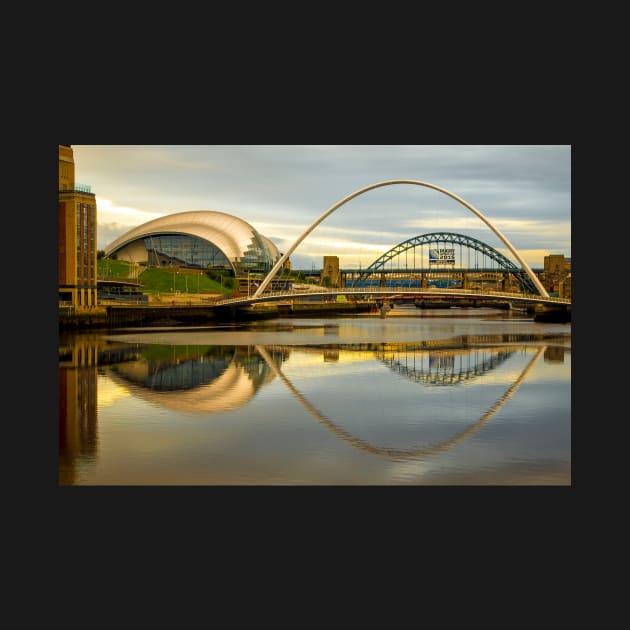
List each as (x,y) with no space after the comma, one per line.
(445,367)
(202,380)
(404,454)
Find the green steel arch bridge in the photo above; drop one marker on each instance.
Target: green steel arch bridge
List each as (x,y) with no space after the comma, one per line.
(405,261)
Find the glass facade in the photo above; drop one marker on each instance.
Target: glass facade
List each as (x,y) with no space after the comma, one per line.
(198,239)
(183,250)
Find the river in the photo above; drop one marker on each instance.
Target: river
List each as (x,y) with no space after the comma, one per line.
(460,396)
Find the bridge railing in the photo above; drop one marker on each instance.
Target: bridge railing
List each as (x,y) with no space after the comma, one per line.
(272,295)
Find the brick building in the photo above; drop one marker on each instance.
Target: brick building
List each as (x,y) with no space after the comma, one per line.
(77,236)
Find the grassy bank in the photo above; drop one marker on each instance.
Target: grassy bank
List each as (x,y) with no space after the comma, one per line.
(155,281)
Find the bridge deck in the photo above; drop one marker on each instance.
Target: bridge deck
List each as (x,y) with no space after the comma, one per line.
(393,292)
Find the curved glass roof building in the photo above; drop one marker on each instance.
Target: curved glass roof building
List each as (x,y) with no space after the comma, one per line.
(199,239)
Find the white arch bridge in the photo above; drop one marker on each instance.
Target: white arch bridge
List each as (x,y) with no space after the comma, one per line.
(259,296)
(383,293)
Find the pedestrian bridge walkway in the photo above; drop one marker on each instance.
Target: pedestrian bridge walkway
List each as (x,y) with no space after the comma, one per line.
(382,293)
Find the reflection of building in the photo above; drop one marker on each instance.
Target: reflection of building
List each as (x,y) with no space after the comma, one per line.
(199,239)
(554,354)
(199,379)
(79,358)
(77,406)
(330,271)
(331,355)
(77,236)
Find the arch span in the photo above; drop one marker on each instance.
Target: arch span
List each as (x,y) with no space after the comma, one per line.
(453,238)
(356,193)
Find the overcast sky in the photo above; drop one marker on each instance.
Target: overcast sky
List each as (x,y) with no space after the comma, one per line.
(281,189)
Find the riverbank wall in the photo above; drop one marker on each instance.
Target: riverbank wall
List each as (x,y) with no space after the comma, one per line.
(152,315)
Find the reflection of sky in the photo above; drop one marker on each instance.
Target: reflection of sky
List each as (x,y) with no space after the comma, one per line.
(301,358)
(109,392)
(362,329)
(317,364)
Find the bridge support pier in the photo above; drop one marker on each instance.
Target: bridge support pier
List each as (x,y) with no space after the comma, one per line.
(552,313)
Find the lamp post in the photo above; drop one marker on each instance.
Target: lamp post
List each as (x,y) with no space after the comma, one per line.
(248,283)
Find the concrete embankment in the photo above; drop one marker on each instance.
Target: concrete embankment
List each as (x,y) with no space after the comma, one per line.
(88,317)
(121,315)
(125,315)
(180,314)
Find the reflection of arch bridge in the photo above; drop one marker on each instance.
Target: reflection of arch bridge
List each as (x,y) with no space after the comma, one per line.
(394,453)
(414,267)
(445,367)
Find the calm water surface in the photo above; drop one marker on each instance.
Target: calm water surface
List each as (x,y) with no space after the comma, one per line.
(448,397)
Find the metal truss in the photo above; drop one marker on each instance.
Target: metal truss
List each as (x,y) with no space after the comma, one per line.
(505,264)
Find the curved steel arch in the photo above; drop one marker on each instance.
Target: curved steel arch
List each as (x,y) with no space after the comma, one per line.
(451,237)
(356,193)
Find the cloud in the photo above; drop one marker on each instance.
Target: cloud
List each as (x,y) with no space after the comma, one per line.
(282,189)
